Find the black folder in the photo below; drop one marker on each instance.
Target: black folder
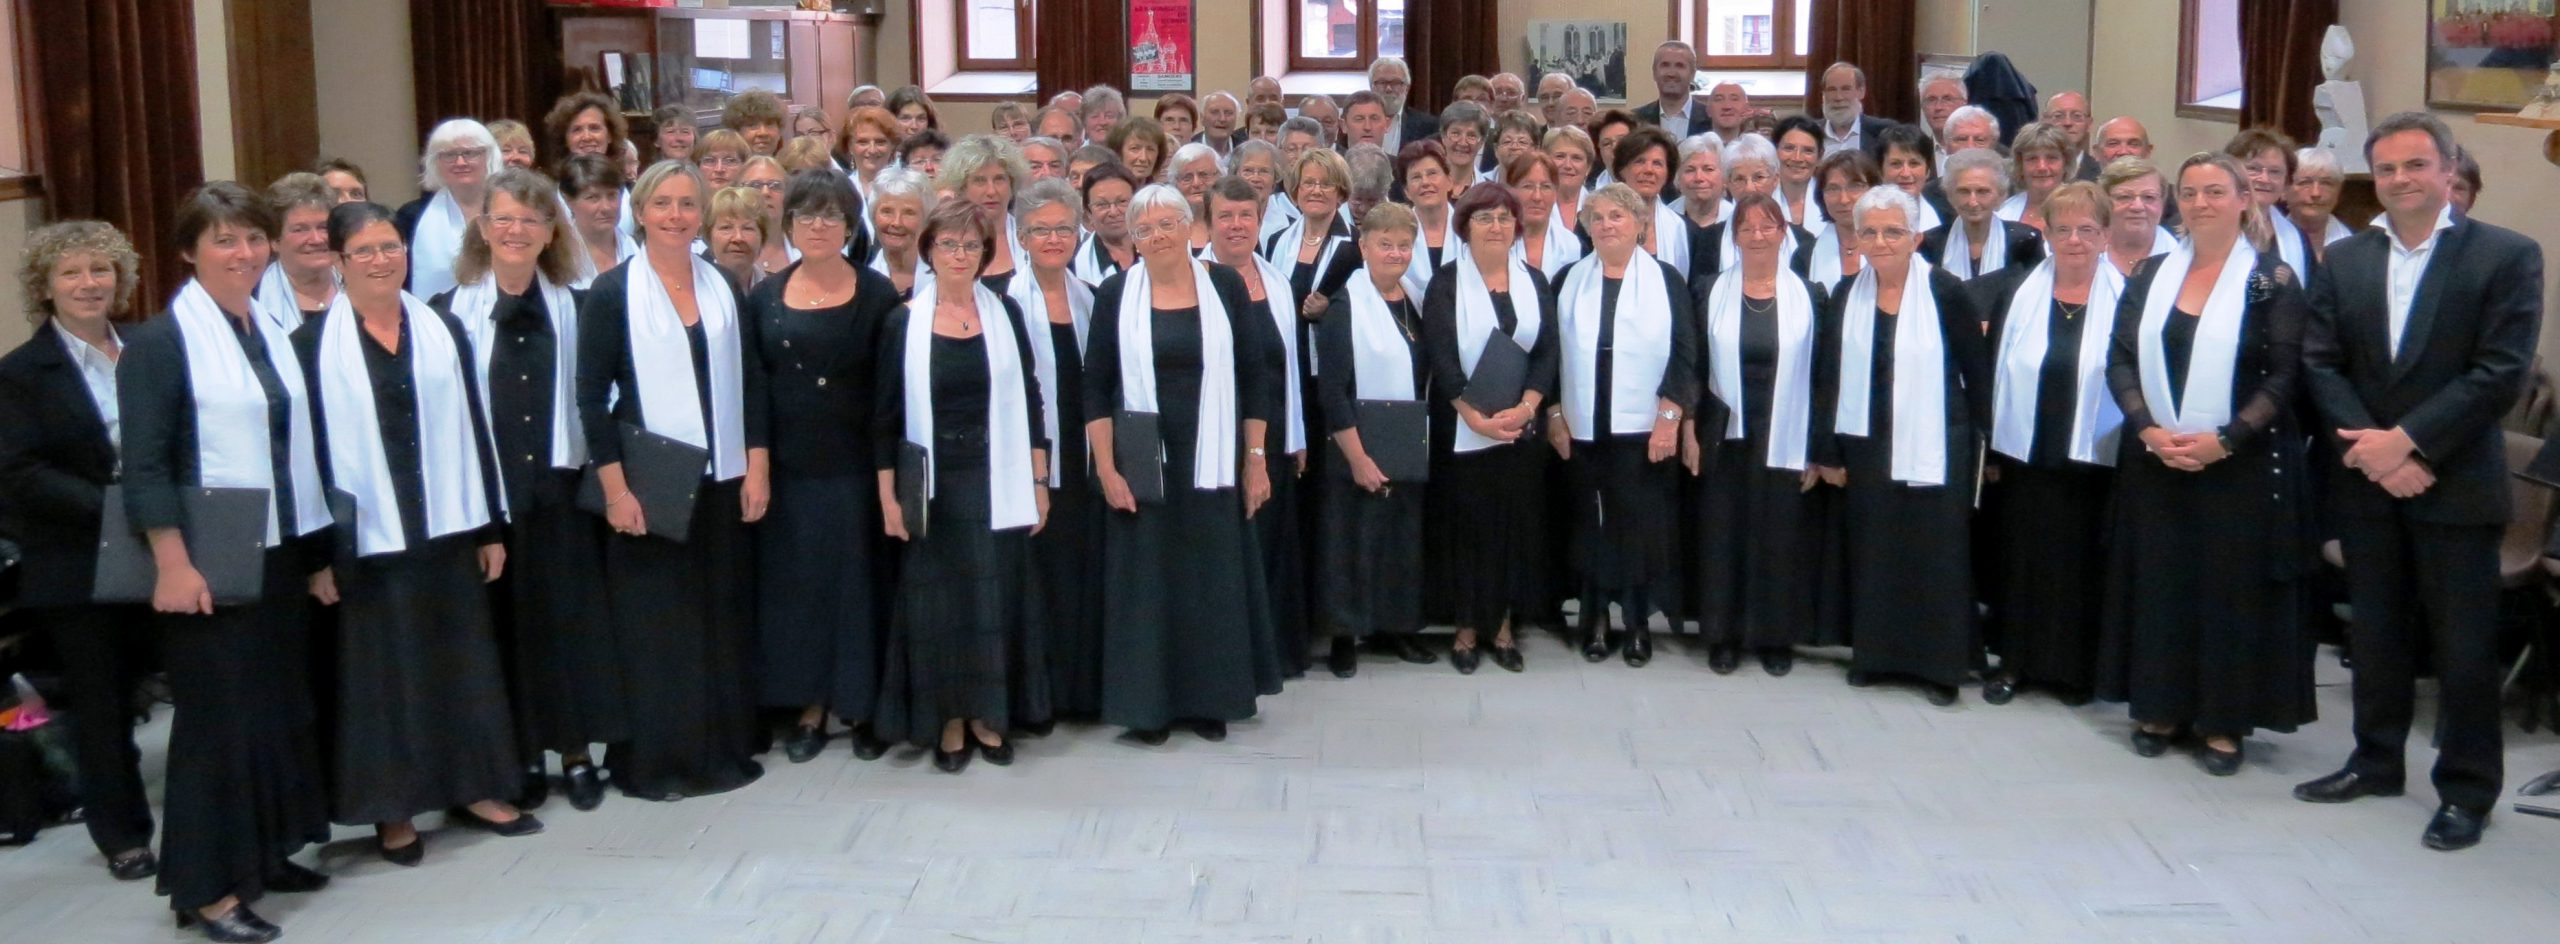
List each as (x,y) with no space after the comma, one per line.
(226,532)
(663,474)
(1501,377)
(914,477)
(1397,435)
(1137,445)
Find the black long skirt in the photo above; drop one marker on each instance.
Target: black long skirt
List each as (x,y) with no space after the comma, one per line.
(969,635)
(554,627)
(1068,554)
(1187,621)
(244,785)
(423,723)
(1278,531)
(816,593)
(1489,537)
(2049,538)
(1626,530)
(1905,553)
(1372,581)
(683,614)
(1759,545)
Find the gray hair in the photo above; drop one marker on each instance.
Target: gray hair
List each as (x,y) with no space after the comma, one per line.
(1222,93)
(1373,173)
(1974,113)
(1097,97)
(1702,141)
(1889,198)
(1192,152)
(1044,194)
(1389,62)
(1041,140)
(1747,149)
(1159,197)
(1621,196)
(1465,113)
(973,153)
(902,181)
(1307,126)
(1249,147)
(1568,78)
(1971,159)
(1937,77)
(455,131)
(2313,160)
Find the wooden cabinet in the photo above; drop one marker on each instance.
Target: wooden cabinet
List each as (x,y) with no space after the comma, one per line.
(701,57)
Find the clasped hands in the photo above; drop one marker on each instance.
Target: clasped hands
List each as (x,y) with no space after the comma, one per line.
(2185,452)
(2389,458)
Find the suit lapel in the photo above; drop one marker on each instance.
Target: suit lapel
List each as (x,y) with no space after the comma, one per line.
(70,387)
(2422,308)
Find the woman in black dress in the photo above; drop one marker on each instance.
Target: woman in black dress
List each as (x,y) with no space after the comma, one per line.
(1317,255)
(58,442)
(900,198)
(2053,451)
(556,638)
(1643,161)
(1750,166)
(1057,313)
(2203,630)
(1977,242)
(820,591)
(1372,533)
(211,396)
(1187,623)
(1488,527)
(1235,228)
(1422,167)
(1761,513)
(1629,375)
(965,660)
(422,719)
(661,347)
(1913,389)
(304,279)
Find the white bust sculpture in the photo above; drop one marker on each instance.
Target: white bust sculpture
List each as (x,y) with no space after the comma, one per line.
(2340,103)
(2545,103)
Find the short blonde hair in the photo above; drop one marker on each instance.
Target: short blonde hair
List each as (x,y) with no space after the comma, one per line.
(656,176)
(47,248)
(510,131)
(805,154)
(1336,171)
(1390,216)
(2078,196)
(742,203)
(1619,195)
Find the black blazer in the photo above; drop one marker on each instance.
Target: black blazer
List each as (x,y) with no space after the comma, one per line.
(2026,248)
(55,464)
(1651,113)
(2463,360)
(1417,125)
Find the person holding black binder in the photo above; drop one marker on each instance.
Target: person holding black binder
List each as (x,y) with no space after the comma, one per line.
(214,405)
(675,418)
(423,723)
(1235,224)
(1629,376)
(963,479)
(1378,423)
(1489,338)
(1057,314)
(1177,375)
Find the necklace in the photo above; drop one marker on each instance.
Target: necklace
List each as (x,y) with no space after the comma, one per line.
(2070,312)
(1758,306)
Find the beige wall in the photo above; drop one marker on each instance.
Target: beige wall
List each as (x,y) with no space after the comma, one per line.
(1946,27)
(368,107)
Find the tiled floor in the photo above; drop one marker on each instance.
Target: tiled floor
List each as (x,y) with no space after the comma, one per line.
(1573,803)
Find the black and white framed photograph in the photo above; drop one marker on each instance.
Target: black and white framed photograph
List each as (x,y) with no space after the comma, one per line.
(1593,52)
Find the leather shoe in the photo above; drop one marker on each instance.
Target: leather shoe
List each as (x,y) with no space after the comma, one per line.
(867,744)
(951,762)
(1939,695)
(2345,785)
(1777,662)
(2152,743)
(1151,737)
(134,865)
(999,753)
(407,856)
(586,786)
(1344,659)
(1039,729)
(292,878)
(1999,689)
(1858,678)
(805,742)
(237,926)
(1466,660)
(1408,647)
(1508,657)
(1595,633)
(1211,730)
(537,788)
(2223,763)
(2455,828)
(523,825)
(1639,649)
(1722,658)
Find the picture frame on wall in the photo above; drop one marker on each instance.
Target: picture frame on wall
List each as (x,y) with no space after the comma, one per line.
(1163,47)
(1593,52)
(2489,55)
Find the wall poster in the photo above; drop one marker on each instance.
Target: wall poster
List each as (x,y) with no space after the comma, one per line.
(1161,44)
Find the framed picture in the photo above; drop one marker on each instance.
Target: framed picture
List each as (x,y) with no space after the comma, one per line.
(1161,46)
(2488,55)
(1593,52)
(1933,65)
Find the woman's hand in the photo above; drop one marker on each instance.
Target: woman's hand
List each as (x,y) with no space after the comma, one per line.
(2191,452)
(1489,427)
(323,586)
(181,589)
(1832,475)
(2164,445)
(1689,447)
(893,519)
(623,513)
(1365,473)
(1811,477)
(1257,484)
(493,562)
(1115,491)
(1559,436)
(1300,457)
(1313,308)
(1665,440)
(1516,418)
(1040,498)
(756,494)
(1991,473)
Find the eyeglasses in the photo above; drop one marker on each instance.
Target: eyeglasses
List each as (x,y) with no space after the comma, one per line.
(1100,206)
(517,222)
(371,254)
(1145,230)
(2086,234)
(1048,232)
(820,220)
(958,248)
(722,160)
(1493,218)
(1890,234)
(768,186)
(460,155)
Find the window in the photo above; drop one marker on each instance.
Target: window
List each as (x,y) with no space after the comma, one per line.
(1344,35)
(995,35)
(17,146)
(1753,34)
(2209,59)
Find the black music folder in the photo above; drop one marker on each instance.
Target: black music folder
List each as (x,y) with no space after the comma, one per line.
(1397,435)
(226,532)
(1501,377)
(663,474)
(1137,445)
(914,479)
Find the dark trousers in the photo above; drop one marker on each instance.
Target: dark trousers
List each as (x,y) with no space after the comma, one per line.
(102,649)
(2412,584)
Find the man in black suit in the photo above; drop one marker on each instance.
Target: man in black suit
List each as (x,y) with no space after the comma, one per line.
(1393,81)
(2420,337)
(1675,71)
(1845,123)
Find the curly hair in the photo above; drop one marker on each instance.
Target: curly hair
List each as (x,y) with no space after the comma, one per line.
(47,247)
(565,112)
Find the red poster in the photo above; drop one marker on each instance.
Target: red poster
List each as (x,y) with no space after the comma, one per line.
(1160,45)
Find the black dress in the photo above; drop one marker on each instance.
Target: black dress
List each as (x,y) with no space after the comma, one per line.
(683,613)
(1904,550)
(821,593)
(968,639)
(1486,544)
(2203,620)
(1279,527)
(422,720)
(2047,520)
(1760,534)
(244,777)
(1371,541)
(1626,523)
(1068,550)
(1187,629)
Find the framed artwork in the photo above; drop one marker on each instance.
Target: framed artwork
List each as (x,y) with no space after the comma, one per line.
(1593,52)
(2488,55)
(1161,46)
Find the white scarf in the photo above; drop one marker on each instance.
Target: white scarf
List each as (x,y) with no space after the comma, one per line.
(1919,375)
(438,242)
(1671,237)
(275,302)
(1729,256)
(1213,460)
(1825,270)
(476,306)
(2205,401)
(1724,209)
(1277,213)
(1381,355)
(924,273)
(1958,255)
(1092,261)
(1010,501)
(1025,290)
(2012,209)
(1642,349)
(1418,274)
(1812,221)
(2334,232)
(662,363)
(449,454)
(1276,295)
(1477,322)
(1561,248)
(232,449)
(2163,241)
(1283,250)
(624,247)
(2023,341)
(1929,218)
(1791,396)
(2290,245)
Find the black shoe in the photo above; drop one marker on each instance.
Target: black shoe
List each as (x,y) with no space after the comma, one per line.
(1039,729)
(1508,657)
(2345,785)
(805,742)
(1723,658)
(867,744)
(237,926)
(523,825)
(2223,763)
(951,762)
(2455,829)
(2073,697)
(537,788)
(1466,660)
(1344,660)
(1408,647)
(586,787)
(1595,633)
(1151,737)
(2152,743)
(293,879)
(999,753)
(135,865)
(1777,662)
(1999,689)
(1212,730)
(407,856)
(1639,649)
(1939,695)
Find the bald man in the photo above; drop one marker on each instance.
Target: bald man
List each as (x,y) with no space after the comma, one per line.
(1509,93)
(1263,90)
(1727,106)
(2069,111)
(1220,114)
(2122,136)
(1551,89)
(1577,108)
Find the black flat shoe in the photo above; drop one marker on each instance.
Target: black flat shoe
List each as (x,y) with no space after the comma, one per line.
(999,753)
(867,744)
(1777,662)
(1466,660)
(2152,743)
(1508,657)
(1151,737)
(1999,689)
(1722,659)
(1408,647)
(2222,763)
(237,926)
(1595,634)
(586,786)
(407,856)
(1858,678)
(1939,695)
(1639,650)
(135,865)
(951,762)
(1040,729)
(2346,785)
(805,742)
(2455,829)
(1212,730)
(1344,659)
(536,790)
(523,825)
(291,878)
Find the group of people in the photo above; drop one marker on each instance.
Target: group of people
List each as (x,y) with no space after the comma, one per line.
(834,422)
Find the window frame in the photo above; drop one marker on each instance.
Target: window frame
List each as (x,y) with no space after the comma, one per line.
(1026,39)
(2187,105)
(18,110)
(1782,22)
(1364,26)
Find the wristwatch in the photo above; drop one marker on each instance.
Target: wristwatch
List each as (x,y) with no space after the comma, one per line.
(1672,415)
(1256,452)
